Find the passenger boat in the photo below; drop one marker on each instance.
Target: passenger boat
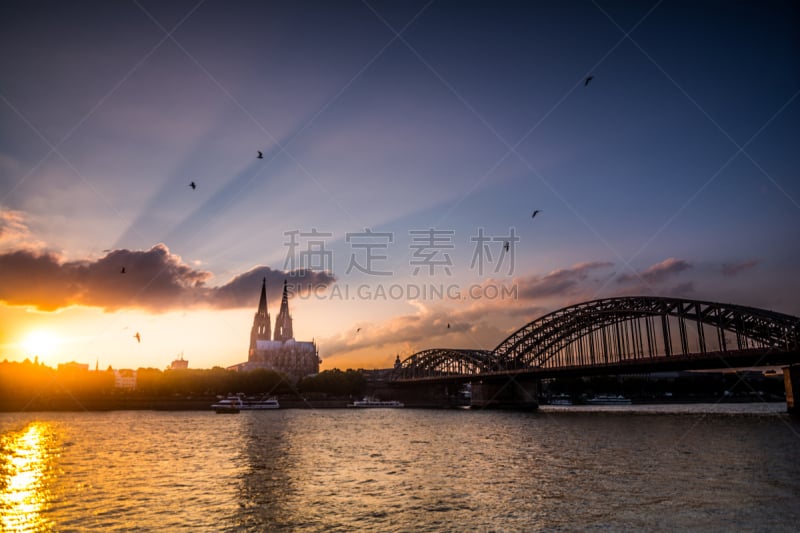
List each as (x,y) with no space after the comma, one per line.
(228,406)
(236,403)
(607,399)
(257,404)
(374,402)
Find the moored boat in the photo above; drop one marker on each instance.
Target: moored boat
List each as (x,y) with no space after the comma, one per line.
(227,406)
(608,399)
(236,403)
(257,404)
(374,402)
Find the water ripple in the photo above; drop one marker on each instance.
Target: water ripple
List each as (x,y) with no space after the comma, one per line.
(408,470)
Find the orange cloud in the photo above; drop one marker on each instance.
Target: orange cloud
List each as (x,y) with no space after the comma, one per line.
(14,232)
(484,315)
(478,324)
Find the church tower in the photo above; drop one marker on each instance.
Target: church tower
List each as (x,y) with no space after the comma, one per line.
(281,353)
(260,331)
(283,323)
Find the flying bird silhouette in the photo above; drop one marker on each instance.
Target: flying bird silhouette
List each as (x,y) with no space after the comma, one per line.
(587,80)
(359,329)
(106,251)
(260,155)
(193,185)
(536,212)
(138,337)
(122,271)
(448,325)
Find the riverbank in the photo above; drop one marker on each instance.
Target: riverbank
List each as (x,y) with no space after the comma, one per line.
(68,403)
(204,404)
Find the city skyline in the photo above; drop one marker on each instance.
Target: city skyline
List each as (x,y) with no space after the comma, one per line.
(405,149)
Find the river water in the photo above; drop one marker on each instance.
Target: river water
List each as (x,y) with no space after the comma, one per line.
(698,468)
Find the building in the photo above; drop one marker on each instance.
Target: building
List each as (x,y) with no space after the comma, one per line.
(73,367)
(279,352)
(125,379)
(179,364)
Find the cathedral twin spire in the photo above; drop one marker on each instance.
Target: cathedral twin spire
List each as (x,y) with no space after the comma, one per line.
(283,323)
(260,330)
(261,321)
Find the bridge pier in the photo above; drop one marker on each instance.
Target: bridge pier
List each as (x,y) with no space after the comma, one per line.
(516,393)
(791,382)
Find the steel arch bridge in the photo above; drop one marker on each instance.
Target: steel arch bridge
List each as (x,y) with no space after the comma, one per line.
(616,332)
(442,362)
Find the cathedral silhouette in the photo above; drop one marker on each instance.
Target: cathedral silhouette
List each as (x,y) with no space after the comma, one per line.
(279,352)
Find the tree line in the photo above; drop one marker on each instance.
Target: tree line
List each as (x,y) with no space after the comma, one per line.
(29,379)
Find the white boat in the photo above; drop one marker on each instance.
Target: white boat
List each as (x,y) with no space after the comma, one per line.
(228,406)
(236,403)
(257,404)
(607,399)
(374,402)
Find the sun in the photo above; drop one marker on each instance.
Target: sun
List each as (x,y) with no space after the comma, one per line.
(40,344)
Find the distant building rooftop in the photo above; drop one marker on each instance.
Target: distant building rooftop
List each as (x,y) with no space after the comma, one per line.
(73,366)
(179,364)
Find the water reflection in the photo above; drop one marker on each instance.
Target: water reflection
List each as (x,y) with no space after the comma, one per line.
(267,481)
(26,464)
(399,470)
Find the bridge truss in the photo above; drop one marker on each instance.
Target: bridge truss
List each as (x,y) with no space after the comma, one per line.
(617,331)
(440,362)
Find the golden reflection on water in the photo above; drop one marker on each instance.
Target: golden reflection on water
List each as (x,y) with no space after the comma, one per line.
(26,461)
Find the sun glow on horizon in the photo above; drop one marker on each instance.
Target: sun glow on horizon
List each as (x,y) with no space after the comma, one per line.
(40,343)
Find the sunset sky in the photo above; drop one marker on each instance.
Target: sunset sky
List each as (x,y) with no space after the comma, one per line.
(438,126)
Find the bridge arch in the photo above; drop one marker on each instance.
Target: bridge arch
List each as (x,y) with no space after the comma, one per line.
(613,330)
(439,362)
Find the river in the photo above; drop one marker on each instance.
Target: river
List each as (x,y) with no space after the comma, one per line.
(631,468)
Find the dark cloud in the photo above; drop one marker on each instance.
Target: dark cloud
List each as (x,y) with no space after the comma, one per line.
(561,282)
(239,291)
(154,280)
(737,268)
(658,272)
(682,290)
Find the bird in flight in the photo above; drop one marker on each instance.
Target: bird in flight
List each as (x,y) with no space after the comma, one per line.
(587,80)
(193,185)
(122,271)
(260,155)
(448,325)
(138,337)
(106,251)
(536,212)
(505,246)
(359,329)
